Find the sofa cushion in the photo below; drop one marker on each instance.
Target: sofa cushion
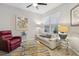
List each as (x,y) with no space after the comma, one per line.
(46,36)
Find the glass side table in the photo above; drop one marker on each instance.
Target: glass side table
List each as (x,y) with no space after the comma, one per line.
(64,40)
(65,44)
(23,48)
(26,45)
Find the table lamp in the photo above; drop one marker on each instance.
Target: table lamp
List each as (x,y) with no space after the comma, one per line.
(63,30)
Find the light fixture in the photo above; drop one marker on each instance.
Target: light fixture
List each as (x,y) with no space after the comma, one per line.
(63,28)
(34,4)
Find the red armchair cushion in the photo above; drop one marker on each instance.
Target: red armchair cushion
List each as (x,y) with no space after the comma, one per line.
(6,34)
(14,41)
(15,37)
(9,43)
(7,37)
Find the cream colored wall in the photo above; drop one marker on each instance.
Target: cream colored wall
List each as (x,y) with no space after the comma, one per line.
(7,20)
(61,12)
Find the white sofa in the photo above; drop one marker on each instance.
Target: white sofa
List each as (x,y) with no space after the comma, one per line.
(50,42)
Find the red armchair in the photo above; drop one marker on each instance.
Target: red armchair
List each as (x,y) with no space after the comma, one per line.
(7,42)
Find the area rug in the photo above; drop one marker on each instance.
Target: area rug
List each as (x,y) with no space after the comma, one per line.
(39,50)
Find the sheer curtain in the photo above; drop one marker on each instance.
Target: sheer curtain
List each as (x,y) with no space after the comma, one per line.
(51,25)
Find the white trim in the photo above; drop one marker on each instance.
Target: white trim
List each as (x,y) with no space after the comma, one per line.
(74,50)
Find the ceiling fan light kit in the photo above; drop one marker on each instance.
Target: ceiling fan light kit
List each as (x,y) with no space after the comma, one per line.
(36,5)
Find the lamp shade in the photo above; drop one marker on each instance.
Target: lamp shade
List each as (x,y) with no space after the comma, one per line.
(63,28)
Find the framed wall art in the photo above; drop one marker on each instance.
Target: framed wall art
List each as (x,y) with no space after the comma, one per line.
(21,23)
(74,16)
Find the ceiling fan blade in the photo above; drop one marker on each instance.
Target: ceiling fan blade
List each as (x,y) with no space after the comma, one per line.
(29,5)
(42,3)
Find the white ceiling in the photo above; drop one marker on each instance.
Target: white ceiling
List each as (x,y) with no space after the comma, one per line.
(42,9)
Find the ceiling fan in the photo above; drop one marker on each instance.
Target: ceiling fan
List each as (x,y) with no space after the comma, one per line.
(36,5)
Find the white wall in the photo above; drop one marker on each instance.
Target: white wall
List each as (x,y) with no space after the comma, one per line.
(64,18)
(62,12)
(7,20)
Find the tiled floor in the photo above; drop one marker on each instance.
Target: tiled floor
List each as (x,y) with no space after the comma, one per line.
(40,50)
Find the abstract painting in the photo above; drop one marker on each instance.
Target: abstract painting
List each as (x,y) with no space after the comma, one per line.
(21,23)
(74,16)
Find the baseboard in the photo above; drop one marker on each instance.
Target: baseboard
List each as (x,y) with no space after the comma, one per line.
(74,51)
